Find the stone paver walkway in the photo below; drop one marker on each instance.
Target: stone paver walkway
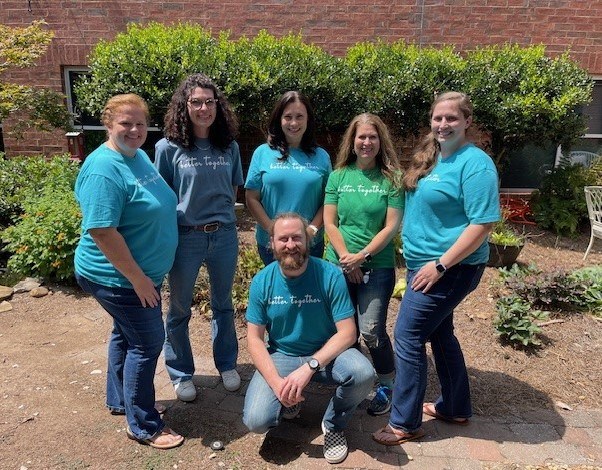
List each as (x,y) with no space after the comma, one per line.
(567,439)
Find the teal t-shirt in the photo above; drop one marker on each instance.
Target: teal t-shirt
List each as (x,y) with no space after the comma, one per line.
(203,179)
(362,198)
(129,194)
(292,185)
(461,189)
(299,313)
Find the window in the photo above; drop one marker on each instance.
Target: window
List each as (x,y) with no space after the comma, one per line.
(592,140)
(82,119)
(594,112)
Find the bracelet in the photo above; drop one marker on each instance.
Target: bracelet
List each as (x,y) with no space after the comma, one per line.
(313,228)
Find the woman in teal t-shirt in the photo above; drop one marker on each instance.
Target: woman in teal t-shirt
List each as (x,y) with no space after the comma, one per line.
(452,202)
(362,214)
(288,173)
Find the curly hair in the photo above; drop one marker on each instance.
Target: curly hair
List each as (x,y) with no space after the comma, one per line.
(118,101)
(276,137)
(178,126)
(425,157)
(386,159)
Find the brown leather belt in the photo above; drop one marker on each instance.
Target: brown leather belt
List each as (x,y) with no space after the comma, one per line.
(207,228)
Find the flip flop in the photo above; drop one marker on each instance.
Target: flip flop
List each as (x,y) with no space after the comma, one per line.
(161,409)
(153,441)
(430,410)
(400,436)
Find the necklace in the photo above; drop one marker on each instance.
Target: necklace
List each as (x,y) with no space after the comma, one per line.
(203,148)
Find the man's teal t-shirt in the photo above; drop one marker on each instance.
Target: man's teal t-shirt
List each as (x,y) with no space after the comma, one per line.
(129,194)
(295,184)
(362,198)
(461,189)
(299,313)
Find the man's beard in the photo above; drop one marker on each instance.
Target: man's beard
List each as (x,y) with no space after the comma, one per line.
(291,261)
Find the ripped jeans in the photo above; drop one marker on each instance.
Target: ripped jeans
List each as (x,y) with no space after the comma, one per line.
(371,301)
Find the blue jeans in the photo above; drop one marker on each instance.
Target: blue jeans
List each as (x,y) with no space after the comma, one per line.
(350,371)
(134,348)
(267,256)
(219,251)
(371,301)
(424,317)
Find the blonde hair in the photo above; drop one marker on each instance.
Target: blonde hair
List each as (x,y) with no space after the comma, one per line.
(425,156)
(115,103)
(386,159)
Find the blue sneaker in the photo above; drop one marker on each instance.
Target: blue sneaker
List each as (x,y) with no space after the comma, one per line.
(381,403)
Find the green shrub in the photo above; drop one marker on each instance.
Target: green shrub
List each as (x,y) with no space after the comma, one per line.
(515,321)
(590,279)
(520,94)
(397,81)
(43,240)
(560,203)
(22,178)
(149,60)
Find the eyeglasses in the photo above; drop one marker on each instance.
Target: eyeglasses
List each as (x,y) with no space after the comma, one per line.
(198,104)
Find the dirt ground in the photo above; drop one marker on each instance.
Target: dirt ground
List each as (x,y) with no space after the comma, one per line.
(53,365)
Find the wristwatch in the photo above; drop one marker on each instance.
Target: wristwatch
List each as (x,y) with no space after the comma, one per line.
(367,255)
(313,364)
(440,267)
(313,228)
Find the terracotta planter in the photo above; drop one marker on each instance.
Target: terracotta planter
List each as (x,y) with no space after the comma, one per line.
(502,255)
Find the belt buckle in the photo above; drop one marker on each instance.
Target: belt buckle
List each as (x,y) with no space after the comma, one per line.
(210,228)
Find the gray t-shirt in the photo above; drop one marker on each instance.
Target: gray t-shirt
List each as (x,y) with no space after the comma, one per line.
(202,178)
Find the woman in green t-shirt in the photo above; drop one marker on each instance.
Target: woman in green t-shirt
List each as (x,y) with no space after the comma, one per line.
(362,214)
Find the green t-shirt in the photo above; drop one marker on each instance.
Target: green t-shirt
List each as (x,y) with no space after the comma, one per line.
(362,198)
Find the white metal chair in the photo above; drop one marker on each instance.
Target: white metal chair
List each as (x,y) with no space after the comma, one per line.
(582,157)
(593,197)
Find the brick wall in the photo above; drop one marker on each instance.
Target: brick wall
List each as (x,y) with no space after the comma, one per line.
(331,24)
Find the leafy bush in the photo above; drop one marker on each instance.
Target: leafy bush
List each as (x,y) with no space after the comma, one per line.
(44,238)
(23,178)
(397,81)
(560,203)
(520,94)
(523,96)
(591,282)
(530,288)
(249,263)
(515,321)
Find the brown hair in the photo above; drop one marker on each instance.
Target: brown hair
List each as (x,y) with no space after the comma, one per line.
(425,156)
(276,137)
(178,125)
(294,216)
(386,159)
(118,101)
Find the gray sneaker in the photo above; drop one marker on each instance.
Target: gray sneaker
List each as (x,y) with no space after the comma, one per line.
(185,391)
(291,412)
(335,445)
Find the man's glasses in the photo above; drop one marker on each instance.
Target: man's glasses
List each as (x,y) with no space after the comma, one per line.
(198,104)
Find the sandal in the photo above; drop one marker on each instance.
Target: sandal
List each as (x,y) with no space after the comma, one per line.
(161,409)
(389,436)
(166,439)
(430,410)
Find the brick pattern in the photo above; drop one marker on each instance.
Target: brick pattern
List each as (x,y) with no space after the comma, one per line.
(332,24)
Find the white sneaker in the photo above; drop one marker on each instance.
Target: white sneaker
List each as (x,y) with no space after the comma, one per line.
(231,380)
(185,391)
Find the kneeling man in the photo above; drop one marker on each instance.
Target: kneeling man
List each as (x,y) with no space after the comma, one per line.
(303,304)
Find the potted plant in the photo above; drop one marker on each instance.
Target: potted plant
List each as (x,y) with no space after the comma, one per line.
(504,245)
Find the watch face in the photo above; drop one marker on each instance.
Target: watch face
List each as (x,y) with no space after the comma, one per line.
(314,364)
(440,268)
